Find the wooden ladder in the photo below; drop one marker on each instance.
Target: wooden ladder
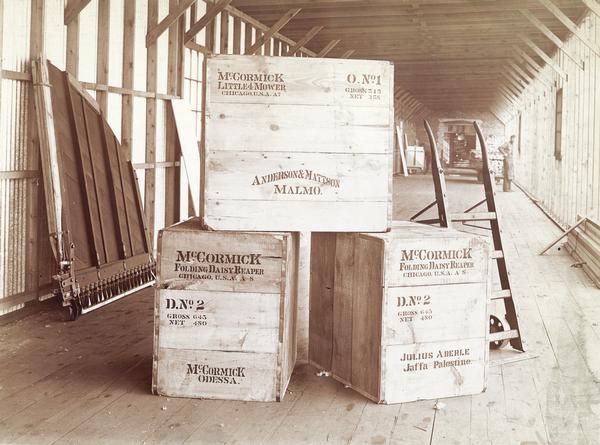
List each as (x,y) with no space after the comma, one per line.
(500,335)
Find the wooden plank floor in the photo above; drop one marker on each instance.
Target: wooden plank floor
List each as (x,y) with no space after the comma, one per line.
(89,381)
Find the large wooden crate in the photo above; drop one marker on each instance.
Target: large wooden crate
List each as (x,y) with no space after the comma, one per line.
(225,313)
(298,144)
(401,316)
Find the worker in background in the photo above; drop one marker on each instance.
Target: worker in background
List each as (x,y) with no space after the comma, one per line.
(507,150)
(426,156)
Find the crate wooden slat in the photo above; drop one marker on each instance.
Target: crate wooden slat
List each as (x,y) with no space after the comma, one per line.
(401,316)
(298,144)
(225,313)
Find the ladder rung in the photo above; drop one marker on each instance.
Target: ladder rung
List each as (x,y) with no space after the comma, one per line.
(498,294)
(481,216)
(504,335)
(497,254)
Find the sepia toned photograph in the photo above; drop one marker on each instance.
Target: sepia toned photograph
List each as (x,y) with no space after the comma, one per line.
(300,222)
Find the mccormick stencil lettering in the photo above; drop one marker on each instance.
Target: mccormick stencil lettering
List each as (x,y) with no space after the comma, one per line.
(233,83)
(287,189)
(435,263)
(201,265)
(215,374)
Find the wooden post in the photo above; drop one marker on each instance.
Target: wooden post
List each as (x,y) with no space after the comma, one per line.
(128,72)
(224,46)
(237,35)
(172,153)
(34,255)
(73,44)
(150,174)
(102,52)
(247,36)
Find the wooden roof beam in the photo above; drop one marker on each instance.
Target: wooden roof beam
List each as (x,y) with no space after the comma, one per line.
(328,48)
(200,24)
(528,77)
(303,41)
(249,20)
(73,9)
(565,20)
(514,80)
(505,94)
(267,35)
(533,66)
(593,6)
(543,56)
(513,92)
(553,37)
(155,32)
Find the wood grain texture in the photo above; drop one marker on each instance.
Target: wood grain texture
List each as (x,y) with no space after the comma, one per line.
(289,116)
(227,299)
(367,298)
(362,331)
(98,390)
(322,275)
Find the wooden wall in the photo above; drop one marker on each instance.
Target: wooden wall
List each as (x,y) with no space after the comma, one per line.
(571,185)
(104,46)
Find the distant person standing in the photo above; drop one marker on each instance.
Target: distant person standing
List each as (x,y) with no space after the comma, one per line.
(426,156)
(507,150)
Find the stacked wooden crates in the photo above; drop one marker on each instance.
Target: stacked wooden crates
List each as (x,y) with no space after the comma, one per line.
(291,144)
(401,316)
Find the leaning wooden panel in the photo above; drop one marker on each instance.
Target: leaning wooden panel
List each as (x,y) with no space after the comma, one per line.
(298,144)
(225,313)
(94,209)
(396,338)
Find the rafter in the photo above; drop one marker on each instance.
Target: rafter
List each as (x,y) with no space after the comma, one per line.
(73,9)
(267,35)
(303,40)
(328,48)
(208,17)
(543,55)
(155,32)
(556,11)
(553,37)
(593,6)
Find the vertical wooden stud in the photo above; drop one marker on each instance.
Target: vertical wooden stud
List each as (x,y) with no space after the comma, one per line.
(128,72)
(247,36)
(102,52)
(150,174)
(224,46)
(172,152)
(73,45)
(237,35)
(34,255)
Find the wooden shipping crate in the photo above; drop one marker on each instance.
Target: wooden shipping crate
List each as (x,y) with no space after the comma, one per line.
(401,316)
(298,144)
(225,313)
